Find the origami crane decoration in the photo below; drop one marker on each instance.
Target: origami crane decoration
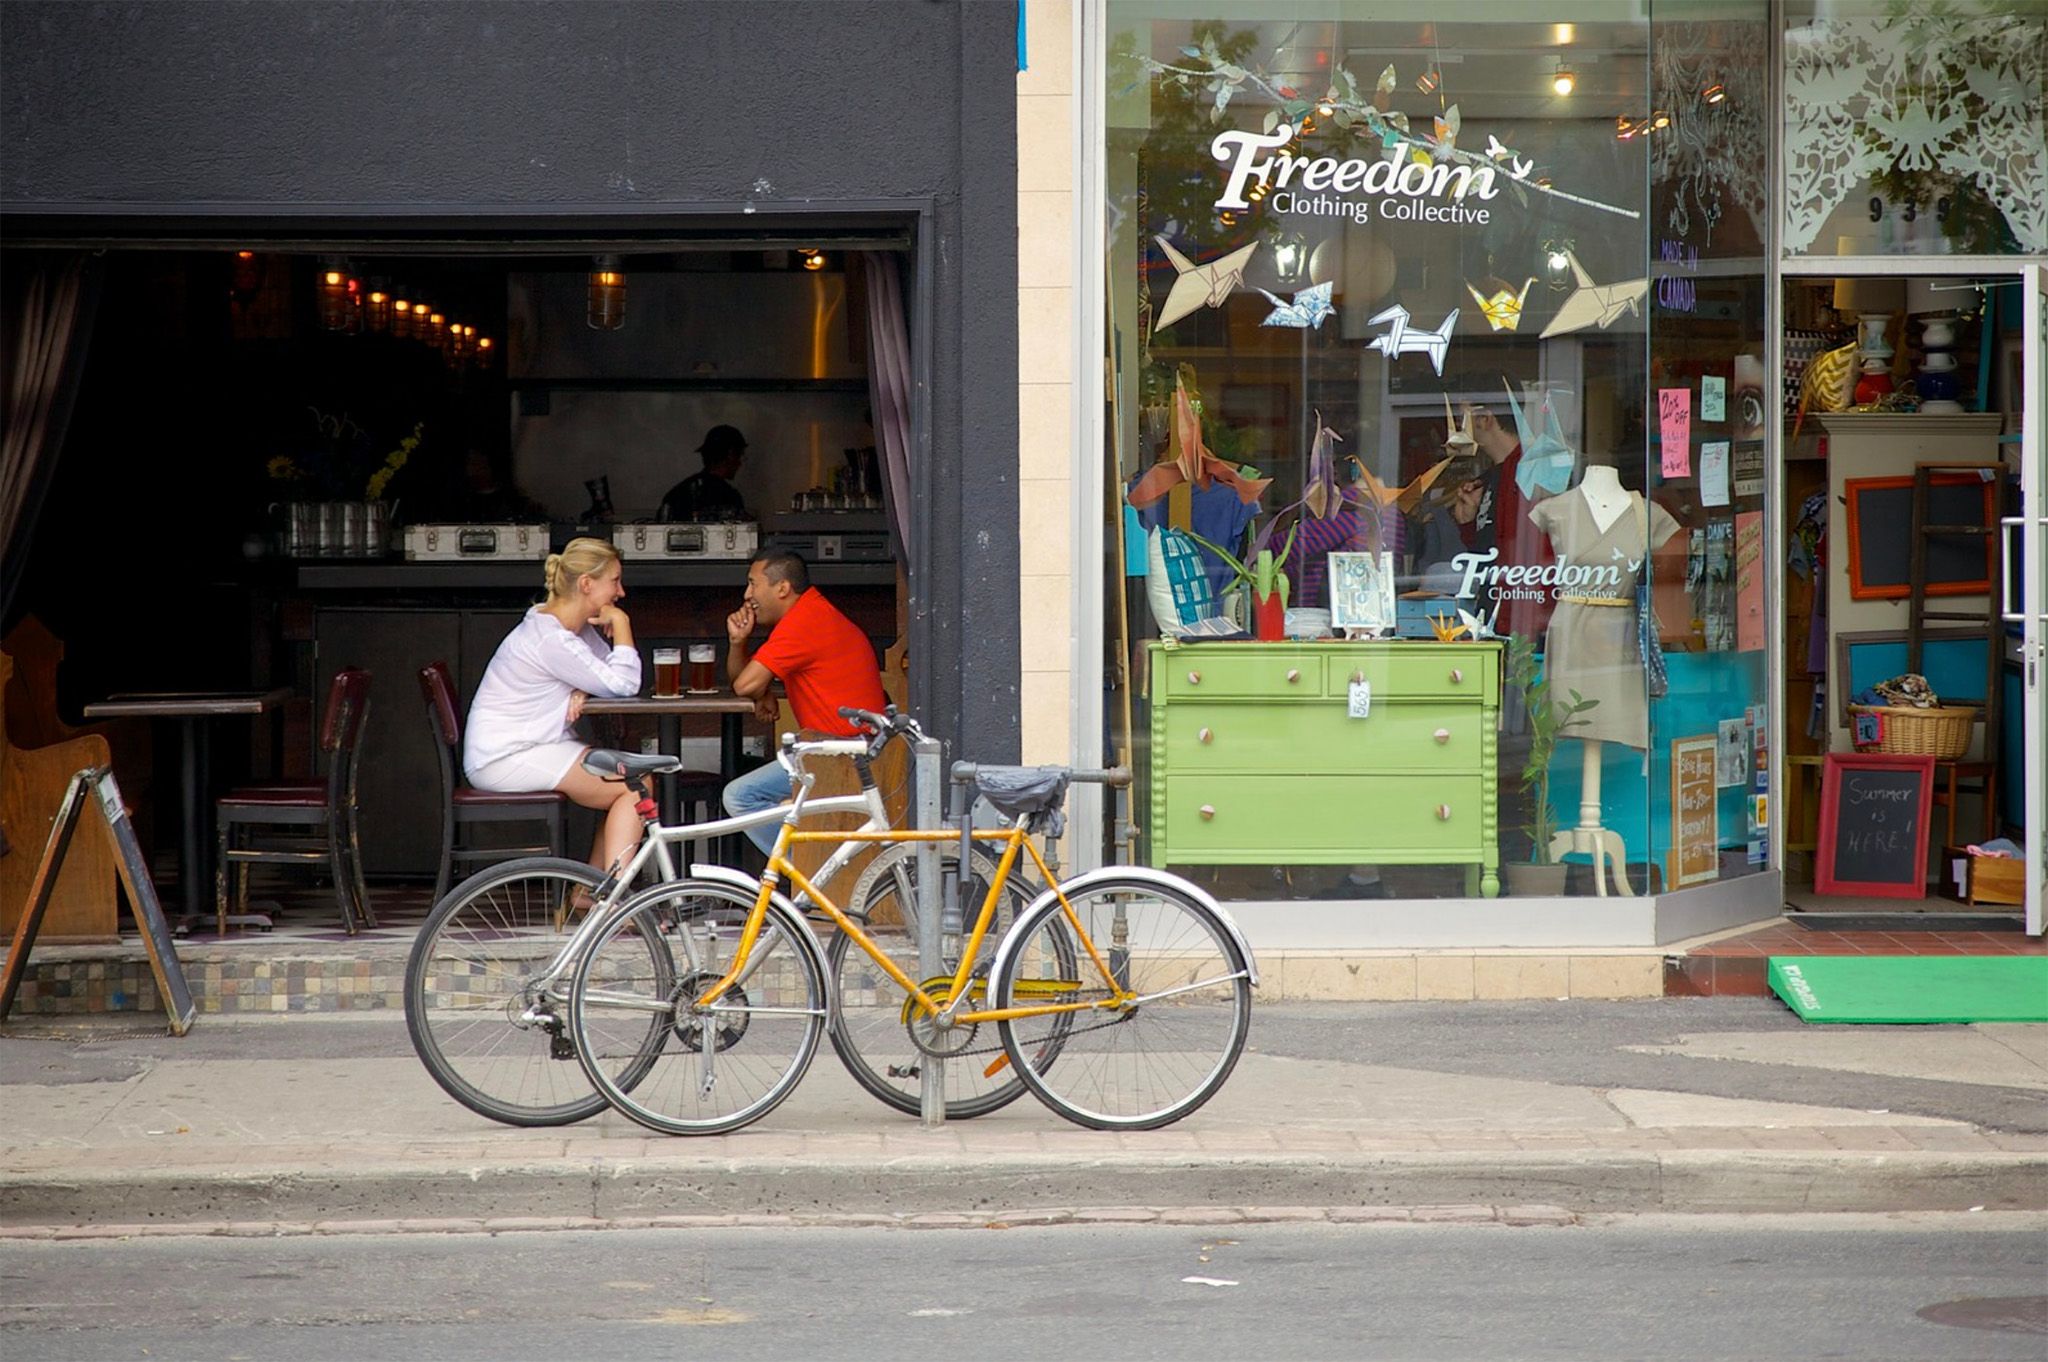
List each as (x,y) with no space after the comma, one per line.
(1503,307)
(1547,461)
(1200,286)
(1479,627)
(1595,304)
(1401,339)
(1189,460)
(1459,440)
(1517,167)
(1311,308)
(1446,629)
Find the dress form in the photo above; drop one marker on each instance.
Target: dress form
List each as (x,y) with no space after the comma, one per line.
(1607,500)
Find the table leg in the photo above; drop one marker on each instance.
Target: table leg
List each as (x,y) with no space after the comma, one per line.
(668,730)
(194,865)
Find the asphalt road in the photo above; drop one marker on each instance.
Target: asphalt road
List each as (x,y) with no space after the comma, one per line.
(1596,1044)
(1876,1289)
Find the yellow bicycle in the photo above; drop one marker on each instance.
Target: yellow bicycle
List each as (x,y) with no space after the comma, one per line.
(1121,997)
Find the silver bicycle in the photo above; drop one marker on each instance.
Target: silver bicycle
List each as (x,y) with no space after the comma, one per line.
(486,984)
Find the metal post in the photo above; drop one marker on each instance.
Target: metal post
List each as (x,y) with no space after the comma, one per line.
(930,796)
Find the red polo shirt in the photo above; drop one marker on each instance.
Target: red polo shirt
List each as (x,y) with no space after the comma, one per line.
(823,662)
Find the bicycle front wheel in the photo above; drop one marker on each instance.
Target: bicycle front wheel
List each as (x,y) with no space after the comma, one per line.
(659,1058)
(1181,991)
(876,1030)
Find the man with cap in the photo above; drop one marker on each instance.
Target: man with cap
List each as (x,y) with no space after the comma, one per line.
(710,495)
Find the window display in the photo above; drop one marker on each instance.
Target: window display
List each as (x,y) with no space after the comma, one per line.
(1393,316)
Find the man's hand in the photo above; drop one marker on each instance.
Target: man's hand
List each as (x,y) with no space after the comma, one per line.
(576,699)
(739,625)
(766,708)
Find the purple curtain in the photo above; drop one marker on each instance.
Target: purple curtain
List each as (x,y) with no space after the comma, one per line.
(48,320)
(889,385)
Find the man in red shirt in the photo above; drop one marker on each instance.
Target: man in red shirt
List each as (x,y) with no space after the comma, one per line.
(821,657)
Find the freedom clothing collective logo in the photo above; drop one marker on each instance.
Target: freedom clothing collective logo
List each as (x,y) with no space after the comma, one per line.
(1316,185)
(1534,582)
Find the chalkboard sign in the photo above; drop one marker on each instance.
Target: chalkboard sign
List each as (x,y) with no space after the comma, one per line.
(1881,538)
(1695,812)
(1874,825)
(134,870)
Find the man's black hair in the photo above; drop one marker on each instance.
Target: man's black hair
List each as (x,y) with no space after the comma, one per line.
(784,565)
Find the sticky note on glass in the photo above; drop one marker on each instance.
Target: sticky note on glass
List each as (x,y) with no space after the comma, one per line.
(1713,398)
(1674,422)
(1714,473)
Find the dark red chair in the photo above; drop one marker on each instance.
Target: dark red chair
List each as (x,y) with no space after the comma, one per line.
(304,822)
(463,806)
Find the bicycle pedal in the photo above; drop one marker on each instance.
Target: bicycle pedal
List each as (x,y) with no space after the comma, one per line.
(899,1071)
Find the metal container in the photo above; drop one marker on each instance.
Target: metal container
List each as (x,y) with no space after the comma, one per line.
(725,539)
(448,543)
(327,534)
(301,528)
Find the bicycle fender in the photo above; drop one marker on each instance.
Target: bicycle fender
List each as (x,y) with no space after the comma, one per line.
(1132,873)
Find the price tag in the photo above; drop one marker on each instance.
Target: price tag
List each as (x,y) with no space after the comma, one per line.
(1361,700)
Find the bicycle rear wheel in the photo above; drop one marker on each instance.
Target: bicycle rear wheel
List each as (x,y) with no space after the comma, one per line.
(478,1005)
(641,1039)
(875,1031)
(1151,1061)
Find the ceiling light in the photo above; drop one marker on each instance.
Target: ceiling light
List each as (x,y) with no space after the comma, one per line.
(1659,121)
(1563,80)
(605,309)
(1428,81)
(1714,94)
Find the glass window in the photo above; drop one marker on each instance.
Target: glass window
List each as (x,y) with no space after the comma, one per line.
(1915,127)
(1383,308)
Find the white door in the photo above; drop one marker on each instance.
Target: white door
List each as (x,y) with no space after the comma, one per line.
(2032,571)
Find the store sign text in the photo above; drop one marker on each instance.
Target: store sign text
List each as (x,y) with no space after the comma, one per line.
(1241,151)
(1527,582)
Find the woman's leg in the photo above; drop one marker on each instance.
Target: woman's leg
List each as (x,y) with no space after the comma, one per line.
(622,826)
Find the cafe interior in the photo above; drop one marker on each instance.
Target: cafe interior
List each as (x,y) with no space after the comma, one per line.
(302,493)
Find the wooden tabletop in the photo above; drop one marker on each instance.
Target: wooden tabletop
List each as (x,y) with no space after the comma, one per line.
(186,704)
(712,702)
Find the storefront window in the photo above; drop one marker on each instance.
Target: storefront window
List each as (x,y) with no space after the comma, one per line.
(1915,127)
(1399,309)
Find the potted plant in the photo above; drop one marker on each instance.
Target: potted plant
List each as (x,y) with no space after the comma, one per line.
(1549,720)
(1266,579)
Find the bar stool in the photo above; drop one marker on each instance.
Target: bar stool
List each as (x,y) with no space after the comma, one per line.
(464,806)
(317,818)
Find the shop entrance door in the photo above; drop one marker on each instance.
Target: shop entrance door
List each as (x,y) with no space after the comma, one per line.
(2030,610)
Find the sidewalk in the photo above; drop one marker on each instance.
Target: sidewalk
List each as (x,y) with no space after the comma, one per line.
(306,1119)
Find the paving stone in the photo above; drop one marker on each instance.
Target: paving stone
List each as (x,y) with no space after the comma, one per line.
(1203,1215)
(1369,1215)
(1536,1215)
(1451,1215)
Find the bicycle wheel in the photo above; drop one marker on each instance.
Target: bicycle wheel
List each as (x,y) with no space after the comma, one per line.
(1153,1060)
(874,1030)
(477,1005)
(764,1030)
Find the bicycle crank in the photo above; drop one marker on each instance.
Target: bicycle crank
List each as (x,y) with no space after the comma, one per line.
(924,1030)
(689,1026)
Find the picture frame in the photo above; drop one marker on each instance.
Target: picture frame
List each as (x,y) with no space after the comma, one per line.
(1876,815)
(1362,593)
(1956,565)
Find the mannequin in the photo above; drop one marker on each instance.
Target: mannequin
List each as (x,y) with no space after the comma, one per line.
(1609,531)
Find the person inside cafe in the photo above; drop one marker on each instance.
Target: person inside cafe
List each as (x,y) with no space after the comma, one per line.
(709,494)
(1450,526)
(821,657)
(575,644)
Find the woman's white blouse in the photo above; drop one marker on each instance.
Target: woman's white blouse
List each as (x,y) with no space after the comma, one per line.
(524,698)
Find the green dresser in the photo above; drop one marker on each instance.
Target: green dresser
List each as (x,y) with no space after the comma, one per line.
(1256,760)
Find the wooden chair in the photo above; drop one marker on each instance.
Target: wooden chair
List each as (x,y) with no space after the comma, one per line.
(836,776)
(317,818)
(83,906)
(464,806)
(33,720)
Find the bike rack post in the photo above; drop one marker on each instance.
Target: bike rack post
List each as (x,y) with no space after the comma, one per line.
(931,794)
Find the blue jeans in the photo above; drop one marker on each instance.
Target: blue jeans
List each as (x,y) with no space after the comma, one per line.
(762,788)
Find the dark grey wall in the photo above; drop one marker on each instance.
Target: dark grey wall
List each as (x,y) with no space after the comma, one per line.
(139,113)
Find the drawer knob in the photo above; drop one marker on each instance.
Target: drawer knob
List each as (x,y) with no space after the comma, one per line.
(1457,676)
(1443,813)
(1203,735)
(1194,678)
(1442,735)
(1208,811)
(1293,675)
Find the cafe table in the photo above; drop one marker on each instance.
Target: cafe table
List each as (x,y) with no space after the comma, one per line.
(193,713)
(668,712)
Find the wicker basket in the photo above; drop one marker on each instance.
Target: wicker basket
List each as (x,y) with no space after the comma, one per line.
(1942,732)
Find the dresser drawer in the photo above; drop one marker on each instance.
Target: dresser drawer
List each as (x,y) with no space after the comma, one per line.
(1322,737)
(1420,670)
(1280,816)
(1255,671)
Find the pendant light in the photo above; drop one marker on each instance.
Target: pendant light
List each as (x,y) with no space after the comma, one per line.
(401,318)
(337,303)
(606,310)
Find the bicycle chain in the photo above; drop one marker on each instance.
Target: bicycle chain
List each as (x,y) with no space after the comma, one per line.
(997,1048)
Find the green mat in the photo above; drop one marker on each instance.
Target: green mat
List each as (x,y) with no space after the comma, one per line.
(1913,988)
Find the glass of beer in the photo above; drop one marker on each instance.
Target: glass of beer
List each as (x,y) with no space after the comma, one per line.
(703,668)
(668,671)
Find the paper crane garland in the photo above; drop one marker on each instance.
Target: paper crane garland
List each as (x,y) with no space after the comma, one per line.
(1403,339)
(1547,461)
(1595,304)
(1199,286)
(1502,308)
(1310,308)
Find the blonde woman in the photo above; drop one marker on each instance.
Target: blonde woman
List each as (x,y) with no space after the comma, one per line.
(575,644)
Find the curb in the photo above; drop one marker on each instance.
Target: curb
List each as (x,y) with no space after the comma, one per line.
(613,1190)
